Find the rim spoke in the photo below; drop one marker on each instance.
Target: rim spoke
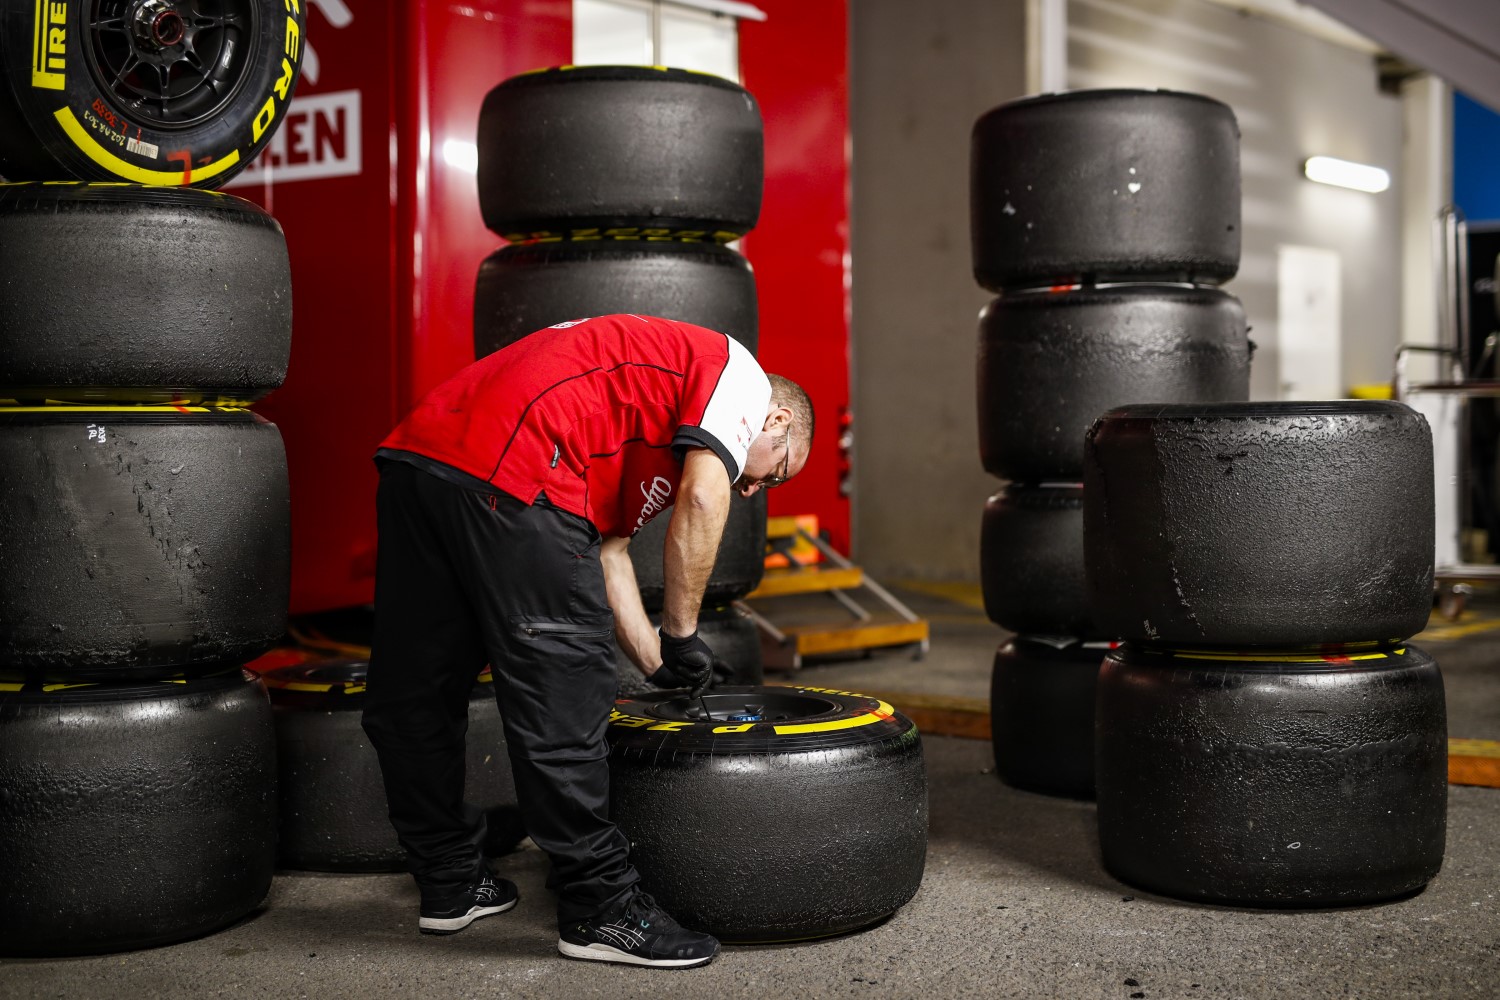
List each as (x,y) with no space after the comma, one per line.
(130,64)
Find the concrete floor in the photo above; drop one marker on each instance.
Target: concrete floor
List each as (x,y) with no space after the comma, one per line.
(1014,902)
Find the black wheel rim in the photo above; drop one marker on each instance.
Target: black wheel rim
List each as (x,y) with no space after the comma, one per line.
(171,64)
(754,706)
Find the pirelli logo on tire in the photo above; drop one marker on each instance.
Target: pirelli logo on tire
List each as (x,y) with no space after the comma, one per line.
(49,56)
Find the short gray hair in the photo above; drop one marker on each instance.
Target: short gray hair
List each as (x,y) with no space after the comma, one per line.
(785,392)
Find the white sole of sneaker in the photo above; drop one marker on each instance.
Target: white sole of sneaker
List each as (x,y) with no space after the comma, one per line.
(452,925)
(604,953)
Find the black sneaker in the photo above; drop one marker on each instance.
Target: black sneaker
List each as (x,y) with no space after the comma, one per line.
(486,896)
(643,934)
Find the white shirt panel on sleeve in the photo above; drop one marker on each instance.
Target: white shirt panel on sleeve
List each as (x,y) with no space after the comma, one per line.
(737,409)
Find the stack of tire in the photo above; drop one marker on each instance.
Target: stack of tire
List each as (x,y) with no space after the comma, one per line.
(618,188)
(144,527)
(1265,734)
(1104,220)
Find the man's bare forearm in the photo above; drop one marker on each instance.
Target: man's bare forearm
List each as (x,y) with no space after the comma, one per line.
(693,538)
(633,630)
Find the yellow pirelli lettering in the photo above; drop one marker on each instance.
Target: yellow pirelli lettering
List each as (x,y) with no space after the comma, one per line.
(49,688)
(628,721)
(10,686)
(670,727)
(284,84)
(847,694)
(293,40)
(49,45)
(75,131)
(735,729)
(880,714)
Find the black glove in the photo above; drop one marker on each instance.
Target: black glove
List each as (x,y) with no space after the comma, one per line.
(686,662)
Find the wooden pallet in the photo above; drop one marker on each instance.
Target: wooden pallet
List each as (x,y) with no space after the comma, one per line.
(783,646)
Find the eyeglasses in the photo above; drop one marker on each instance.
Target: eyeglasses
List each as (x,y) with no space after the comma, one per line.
(771,482)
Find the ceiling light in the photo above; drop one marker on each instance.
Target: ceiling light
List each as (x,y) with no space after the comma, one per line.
(1343,173)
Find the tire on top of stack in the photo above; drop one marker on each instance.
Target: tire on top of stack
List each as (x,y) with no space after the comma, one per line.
(1284,525)
(1265,563)
(584,152)
(1105,185)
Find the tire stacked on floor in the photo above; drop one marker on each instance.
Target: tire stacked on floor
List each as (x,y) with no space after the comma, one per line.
(618,188)
(332,805)
(1265,734)
(803,810)
(144,526)
(1103,220)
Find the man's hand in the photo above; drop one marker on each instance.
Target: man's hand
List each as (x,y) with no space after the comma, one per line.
(686,661)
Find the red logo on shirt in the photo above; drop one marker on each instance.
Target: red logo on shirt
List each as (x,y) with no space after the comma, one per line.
(656,495)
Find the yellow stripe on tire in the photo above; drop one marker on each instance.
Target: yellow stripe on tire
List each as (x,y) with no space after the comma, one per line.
(880,714)
(91,148)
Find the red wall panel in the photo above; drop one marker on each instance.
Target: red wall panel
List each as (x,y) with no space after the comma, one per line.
(796,65)
(384,246)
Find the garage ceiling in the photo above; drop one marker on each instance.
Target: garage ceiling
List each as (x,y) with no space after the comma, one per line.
(1458,40)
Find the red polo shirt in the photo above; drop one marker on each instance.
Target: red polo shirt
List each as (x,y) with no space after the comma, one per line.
(597,413)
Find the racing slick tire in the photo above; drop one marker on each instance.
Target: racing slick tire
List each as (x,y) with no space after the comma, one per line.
(331,797)
(1105,185)
(134,814)
(606,152)
(1050,362)
(738,567)
(1244,525)
(523,289)
(1042,714)
(141,541)
(835,781)
(1287,780)
(1031,561)
(124,293)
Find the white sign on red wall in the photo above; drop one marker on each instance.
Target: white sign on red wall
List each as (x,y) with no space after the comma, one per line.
(320,135)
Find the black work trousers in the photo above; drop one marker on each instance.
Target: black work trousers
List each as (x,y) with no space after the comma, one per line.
(465,577)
